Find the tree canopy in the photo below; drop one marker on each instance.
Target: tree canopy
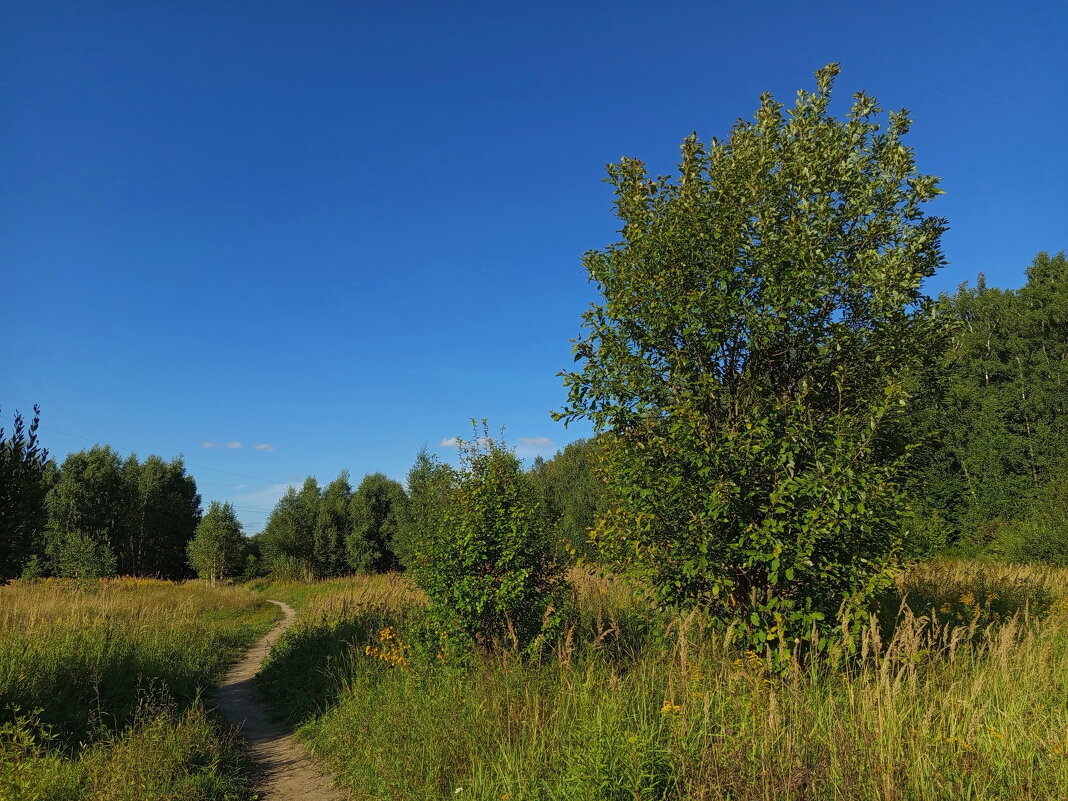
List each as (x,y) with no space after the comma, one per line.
(748,363)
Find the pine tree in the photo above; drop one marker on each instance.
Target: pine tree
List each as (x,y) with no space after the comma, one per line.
(25,478)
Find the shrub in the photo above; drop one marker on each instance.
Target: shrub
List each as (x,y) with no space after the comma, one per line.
(1041,534)
(485,561)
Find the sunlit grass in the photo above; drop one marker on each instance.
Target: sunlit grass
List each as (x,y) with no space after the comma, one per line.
(963,698)
(100,686)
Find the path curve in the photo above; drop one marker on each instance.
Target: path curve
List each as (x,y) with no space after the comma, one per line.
(287,772)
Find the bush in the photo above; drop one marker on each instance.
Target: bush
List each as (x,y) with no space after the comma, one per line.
(76,554)
(486,562)
(1041,535)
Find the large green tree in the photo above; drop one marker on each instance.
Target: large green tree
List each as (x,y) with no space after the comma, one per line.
(25,477)
(139,516)
(288,540)
(165,511)
(750,361)
(332,527)
(90,513)
(378,505)
(217,551)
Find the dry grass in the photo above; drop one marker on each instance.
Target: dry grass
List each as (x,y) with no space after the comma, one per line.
(100,685)
(962,697)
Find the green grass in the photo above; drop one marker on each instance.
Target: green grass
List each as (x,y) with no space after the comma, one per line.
(100,688)
(636,706)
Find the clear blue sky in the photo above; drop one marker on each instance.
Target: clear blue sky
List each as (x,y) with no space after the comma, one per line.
(340,230)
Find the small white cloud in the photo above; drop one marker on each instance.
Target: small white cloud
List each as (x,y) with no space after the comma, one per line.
(209,444)
(233,444)
(263,446)
(536,442)
(451,442)
(239,486)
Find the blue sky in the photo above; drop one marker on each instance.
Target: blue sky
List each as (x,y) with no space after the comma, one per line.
(337,231)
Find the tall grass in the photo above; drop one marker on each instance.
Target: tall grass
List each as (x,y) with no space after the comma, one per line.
(100,686)
(963,697)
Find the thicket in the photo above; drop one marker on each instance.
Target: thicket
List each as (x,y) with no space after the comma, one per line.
(997,435)
(486,560)
(95,515)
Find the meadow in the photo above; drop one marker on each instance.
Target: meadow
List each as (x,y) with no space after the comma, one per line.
(956,689)
(102,688)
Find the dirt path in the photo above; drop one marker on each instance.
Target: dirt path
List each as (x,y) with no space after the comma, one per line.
(288,774)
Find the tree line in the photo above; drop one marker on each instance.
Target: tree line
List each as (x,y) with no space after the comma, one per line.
(988,472)
(99,514)
(96,514)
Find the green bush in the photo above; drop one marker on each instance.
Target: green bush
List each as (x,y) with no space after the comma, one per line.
(1041,534)
(485,559)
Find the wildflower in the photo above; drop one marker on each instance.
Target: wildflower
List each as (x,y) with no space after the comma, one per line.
(669,708)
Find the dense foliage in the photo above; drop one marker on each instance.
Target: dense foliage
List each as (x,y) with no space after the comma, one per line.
(107,515)
(218,549)
(26,475)
(1001,431)
(288,541)
(572,495)
(750,361)
(485,560)
(377,507)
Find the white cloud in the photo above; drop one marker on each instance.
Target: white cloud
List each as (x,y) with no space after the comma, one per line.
(239,486)
(263,446)
(451,442)
(536,442)
(233,444)
(209,444)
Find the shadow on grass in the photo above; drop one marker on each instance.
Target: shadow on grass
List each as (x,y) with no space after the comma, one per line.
(308,667)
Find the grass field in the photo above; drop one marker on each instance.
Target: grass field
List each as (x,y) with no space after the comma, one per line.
(960,697)
(101,684)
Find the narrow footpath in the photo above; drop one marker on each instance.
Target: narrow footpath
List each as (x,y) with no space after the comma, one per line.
(287,773)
